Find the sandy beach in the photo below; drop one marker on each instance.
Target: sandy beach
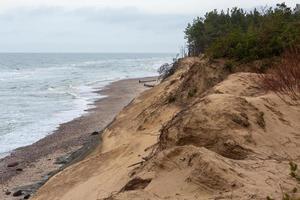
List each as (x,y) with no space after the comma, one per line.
(27,168)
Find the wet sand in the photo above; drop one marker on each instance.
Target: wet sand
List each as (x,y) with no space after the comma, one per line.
(37,162)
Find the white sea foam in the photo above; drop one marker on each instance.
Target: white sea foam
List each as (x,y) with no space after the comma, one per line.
(40,91)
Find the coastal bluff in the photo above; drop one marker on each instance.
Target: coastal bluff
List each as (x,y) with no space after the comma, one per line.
(202,133)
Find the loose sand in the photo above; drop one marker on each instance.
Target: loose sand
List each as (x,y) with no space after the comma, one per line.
(38,159)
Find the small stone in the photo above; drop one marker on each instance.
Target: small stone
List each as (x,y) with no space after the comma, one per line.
(7,192)
(13,164)
(95,133)
(18,193)
(26,196)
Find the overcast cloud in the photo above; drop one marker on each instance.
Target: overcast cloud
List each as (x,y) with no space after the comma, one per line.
(102,25)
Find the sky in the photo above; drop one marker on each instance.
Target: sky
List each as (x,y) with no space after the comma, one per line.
(104,25)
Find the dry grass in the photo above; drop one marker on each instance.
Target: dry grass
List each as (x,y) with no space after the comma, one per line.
(284,78)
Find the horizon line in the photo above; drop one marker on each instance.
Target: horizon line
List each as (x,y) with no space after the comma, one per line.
(51,52)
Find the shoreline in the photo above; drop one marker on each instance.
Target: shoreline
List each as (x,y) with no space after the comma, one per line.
(36,163)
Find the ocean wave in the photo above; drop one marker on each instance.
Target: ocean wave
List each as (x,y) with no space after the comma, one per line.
(41,95)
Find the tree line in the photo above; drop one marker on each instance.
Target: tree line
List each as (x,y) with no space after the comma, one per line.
(244,36)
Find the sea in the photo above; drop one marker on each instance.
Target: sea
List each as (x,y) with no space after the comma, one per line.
(39,91)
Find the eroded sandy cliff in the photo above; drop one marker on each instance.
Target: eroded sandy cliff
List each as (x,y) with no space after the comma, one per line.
(200,134)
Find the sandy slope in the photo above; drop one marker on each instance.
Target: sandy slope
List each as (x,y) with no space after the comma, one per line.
(194,136)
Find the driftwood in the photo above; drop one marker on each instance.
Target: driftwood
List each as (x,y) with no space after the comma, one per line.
(146,81)
(138,163)
(148,85)
(141,162)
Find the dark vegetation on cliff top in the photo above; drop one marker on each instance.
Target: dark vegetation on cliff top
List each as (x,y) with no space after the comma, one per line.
(265,40)
(262,40)
(244,36)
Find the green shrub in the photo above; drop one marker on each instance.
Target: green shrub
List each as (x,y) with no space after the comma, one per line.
(229,65)
(244,36)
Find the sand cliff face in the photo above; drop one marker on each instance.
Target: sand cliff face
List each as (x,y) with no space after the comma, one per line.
(200,134)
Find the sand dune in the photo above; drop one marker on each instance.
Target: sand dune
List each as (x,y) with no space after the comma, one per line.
(200,134)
